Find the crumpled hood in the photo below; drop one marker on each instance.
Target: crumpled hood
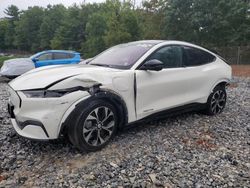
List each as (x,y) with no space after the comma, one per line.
(43,77)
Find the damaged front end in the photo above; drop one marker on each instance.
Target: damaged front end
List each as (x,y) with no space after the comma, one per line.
(63,87)
(43,93)
(42,111)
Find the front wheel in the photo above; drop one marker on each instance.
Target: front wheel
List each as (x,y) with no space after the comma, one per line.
(95,126)
(216,101)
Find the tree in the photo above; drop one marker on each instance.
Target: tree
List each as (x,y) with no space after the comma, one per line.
(53,17)
(95,30)
(91,28)
(178,24)
(12,13)
(121,23)
(71,32)
(113,23)
(208,22)
(131,25)
(222,23)
(27,29)
(151,17)
(3,30)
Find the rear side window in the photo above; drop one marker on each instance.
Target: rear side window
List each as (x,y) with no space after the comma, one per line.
(196,57)
(63,56)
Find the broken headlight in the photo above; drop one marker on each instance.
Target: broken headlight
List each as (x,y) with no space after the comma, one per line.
(51,93)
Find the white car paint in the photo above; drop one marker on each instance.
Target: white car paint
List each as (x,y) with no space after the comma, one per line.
(176,86)
(155,91)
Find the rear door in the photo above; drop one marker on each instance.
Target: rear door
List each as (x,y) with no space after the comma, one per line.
(199,68)
(60,58)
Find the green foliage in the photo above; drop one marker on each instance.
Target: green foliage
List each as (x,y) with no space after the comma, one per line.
(53,17)
(121,23)
(27,29)
(95,30)
(152,19)
(91,28)
(72,31)
(3,31)
(12,13)
(114,23)
(208,22)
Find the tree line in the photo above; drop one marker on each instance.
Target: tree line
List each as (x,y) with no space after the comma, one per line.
(91,28)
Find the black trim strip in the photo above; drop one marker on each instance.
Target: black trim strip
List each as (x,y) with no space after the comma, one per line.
(22,125)
(135,93)
(11,110)
(172,112)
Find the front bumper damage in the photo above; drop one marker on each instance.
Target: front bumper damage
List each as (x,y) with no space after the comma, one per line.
(41,118)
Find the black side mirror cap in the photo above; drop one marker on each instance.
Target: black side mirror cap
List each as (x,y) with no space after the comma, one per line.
(153,65)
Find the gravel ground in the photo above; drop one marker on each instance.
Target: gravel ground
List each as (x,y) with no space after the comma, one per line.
(189,150)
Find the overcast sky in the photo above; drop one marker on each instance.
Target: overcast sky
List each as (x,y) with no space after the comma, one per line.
(24,4)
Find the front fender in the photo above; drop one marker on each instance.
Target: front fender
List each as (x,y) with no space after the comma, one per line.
(110,96)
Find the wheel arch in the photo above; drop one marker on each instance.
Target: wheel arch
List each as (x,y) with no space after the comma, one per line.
(105,95)
(118,102)
(222,82)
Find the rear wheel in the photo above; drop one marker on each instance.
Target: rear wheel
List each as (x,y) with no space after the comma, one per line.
(95,126)
(216,101)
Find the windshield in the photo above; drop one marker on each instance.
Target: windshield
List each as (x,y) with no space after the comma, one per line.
(122,56)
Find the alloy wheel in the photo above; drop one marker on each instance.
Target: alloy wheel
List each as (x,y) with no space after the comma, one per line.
(99,126)
(218,101)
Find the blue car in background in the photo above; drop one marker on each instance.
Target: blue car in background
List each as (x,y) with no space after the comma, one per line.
(55,57)
(15,67)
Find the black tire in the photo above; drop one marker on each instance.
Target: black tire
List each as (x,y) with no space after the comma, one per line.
(216,101)
(93,126)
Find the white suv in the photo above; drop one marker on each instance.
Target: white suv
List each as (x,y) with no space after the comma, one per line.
(124,84)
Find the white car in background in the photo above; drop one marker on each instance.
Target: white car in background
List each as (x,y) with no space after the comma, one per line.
(127,83)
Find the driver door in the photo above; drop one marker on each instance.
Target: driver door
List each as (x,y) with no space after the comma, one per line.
(161,90)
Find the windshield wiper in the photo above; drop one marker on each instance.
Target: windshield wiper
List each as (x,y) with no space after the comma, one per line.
(101,65)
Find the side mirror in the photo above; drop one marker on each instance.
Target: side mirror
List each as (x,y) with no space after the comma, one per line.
(153,65)
(35,59)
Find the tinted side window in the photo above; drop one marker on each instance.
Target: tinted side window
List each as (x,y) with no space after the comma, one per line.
(61,56)
(195,57)
(71,55)
(43,57)
(170,56)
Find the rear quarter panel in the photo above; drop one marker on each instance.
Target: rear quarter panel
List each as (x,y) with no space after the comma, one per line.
(222,72)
